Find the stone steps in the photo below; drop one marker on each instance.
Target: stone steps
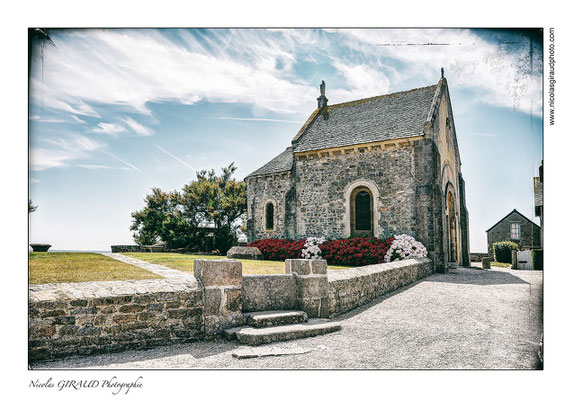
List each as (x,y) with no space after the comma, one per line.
(264,319)
(257,336)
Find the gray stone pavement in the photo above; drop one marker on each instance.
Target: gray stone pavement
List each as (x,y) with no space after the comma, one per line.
(467,319)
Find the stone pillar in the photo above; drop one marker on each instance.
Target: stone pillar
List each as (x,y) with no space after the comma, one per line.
(486,262)
(221,282)
(514,259)
(312,286)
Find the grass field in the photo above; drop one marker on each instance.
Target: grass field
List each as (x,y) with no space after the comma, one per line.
(53,267)
(184,262)
(500,264)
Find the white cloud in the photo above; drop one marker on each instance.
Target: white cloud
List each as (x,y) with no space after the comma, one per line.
(109,129)
(131,68)
(262,120)
(93,166)
(37,118)
(496,70)
(61,152)
(363,80)
(138,128)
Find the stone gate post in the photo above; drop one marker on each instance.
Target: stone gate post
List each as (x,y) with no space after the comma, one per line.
(312,286)
(221,281)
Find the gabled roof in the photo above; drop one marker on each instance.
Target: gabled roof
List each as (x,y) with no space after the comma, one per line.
(392,116)
(507,215)
(283,162)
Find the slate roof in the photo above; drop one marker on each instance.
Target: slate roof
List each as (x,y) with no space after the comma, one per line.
(283,162)
(392,116)
(374,119)
(509,214)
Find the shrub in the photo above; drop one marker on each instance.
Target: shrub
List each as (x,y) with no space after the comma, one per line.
(503,251)
(537,259)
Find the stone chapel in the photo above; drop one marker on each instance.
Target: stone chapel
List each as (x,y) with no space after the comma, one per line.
(378,166)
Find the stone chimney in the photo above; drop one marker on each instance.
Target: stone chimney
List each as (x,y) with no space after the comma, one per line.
(322,101)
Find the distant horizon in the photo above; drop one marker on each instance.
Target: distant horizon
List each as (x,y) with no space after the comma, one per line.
(116,112)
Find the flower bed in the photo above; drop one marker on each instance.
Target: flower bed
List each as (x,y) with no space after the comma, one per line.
(354,251)
(279,249)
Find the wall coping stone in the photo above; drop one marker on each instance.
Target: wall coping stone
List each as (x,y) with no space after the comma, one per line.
(349,273)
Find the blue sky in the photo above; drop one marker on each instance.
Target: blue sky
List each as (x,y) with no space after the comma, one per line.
(114,113)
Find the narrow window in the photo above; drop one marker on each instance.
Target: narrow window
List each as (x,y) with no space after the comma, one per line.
(269,217)
(363,211)
(515,231)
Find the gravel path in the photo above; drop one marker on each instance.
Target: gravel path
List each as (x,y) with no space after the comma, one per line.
(469,318)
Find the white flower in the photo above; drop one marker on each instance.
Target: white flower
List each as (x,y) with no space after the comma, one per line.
(311,249)
(405,247)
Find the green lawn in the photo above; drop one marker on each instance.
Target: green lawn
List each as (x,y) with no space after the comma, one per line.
(53,267)
(184,262)
(500,264)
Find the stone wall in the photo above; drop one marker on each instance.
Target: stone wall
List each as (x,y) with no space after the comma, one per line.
(278,189)
(353,287)
(269,292)
(312,286)
(321,184)
(94,317)
(221,281)
(125,248)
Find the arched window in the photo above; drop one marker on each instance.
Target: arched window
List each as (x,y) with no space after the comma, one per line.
(361,211)
(269,216)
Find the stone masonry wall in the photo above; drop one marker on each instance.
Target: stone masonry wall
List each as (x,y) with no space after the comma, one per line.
(321,184)
(261,189)
(353,287)
(125,248)
(269,292)
(221,281)
(529,232)
(94,317)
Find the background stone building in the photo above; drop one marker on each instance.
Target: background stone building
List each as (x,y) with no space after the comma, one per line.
(377,166)
(517,228)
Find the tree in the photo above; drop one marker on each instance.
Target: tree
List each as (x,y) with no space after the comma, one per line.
(162,219)
(210,204)
(31,207)
(217,200)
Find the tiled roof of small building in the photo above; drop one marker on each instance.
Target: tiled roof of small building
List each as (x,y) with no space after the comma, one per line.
(283,162)
(392,116)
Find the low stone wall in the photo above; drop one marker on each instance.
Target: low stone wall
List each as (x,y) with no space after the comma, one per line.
(475,257)
(221,281)
(125,248)
(94,317)
(269,292)
(353,287)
